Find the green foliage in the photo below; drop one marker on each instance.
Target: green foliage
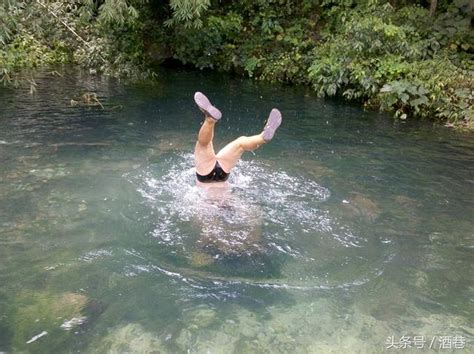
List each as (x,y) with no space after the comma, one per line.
(101,35)
(187,12)
(8,22)
(117,12)
(212,45)
(397,61)
(435,88)
(349,48)
(268,40)
(366,53)
(390,55)
(403,93)
(21,49)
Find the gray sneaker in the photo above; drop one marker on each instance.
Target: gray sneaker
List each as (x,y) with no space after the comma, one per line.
(206,107)
(273,122)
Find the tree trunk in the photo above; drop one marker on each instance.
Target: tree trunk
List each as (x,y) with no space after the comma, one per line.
(433,5)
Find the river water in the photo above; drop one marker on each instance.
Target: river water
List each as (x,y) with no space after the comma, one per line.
(349,232)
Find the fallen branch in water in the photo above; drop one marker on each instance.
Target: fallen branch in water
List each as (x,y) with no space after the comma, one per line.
(87,99)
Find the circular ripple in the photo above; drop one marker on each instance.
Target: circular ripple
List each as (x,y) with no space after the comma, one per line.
(269,228)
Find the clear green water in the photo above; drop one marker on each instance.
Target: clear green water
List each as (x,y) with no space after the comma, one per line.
(347,229)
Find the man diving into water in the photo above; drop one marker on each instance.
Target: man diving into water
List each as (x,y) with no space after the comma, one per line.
(215,168)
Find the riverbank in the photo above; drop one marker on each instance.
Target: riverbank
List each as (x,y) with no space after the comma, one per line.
(399,60)
(384,55)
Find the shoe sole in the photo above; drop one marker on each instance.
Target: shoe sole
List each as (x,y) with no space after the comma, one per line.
(205,105)
(273,122)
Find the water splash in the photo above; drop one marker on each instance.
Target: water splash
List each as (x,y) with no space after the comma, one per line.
(266,224)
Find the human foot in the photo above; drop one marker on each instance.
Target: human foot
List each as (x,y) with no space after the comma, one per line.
(273,122)
(206,107)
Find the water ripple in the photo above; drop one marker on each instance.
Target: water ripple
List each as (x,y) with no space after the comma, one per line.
(267,223)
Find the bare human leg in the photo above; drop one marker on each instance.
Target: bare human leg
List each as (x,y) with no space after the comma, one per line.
(204,155)
(231,153)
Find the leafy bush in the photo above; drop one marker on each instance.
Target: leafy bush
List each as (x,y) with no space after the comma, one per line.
(388,54)
(395,61)
(211,46)
(103,35)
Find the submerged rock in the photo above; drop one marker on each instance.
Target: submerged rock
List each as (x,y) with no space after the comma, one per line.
(201,316)
(307,327)
(44,311)
(316,168)
(246,242)
(201,259)
(231,232)
(131,338)
(407,202)
(49,172)
(360,206)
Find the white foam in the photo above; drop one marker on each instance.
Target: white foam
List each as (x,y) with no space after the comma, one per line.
(73,322)
(259,196)
(265,210)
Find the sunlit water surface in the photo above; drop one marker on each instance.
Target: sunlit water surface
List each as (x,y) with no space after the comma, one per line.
(347,229)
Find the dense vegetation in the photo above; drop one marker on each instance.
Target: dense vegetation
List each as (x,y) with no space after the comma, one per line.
(413,58)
